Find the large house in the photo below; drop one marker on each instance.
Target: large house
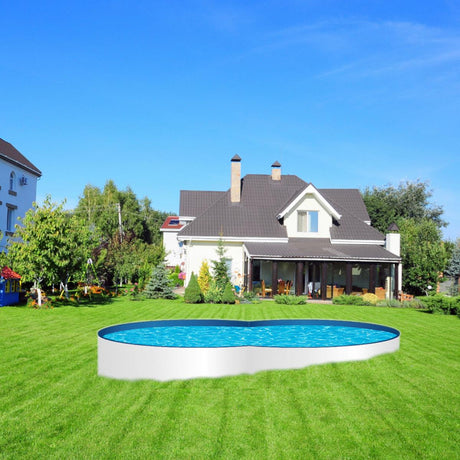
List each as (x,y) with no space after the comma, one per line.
(279,231)
(18,188)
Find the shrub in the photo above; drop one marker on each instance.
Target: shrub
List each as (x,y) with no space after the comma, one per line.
(370,298)
(159,286)
(439,303)
(228,295)
(193,292)
(204,277)
(214,294)
(393,303)
(250,296)
(348,300)
(290,299)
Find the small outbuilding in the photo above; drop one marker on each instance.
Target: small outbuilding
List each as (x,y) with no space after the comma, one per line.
(10,286)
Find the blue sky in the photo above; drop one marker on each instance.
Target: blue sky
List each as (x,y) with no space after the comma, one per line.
(159,95)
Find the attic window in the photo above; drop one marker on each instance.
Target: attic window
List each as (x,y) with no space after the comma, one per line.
(174,222)
(307,221)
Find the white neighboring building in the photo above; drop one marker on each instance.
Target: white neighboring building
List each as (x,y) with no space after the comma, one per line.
(18,188)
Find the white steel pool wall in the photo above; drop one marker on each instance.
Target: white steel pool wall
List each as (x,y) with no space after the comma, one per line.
(134,362)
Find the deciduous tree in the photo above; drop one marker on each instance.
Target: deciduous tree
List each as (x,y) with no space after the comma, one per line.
(50,245)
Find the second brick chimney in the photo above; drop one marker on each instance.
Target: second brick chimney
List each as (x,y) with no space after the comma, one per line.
(276,171)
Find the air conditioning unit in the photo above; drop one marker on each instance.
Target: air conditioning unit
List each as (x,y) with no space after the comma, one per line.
(23,180)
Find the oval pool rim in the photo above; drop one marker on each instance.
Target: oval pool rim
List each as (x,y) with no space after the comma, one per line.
(128,361)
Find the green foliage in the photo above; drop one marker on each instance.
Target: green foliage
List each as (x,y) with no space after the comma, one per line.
(174,277)
(213,294)
(290,299)
(250,296)
(410,200)
(130,251)
(50,245)
(348,300)
(423,255)
(193,292)
(228,296)
(393,303)
(220,269)
(159,286)
(204,277)
(453,267)
(439,303)
(370,299)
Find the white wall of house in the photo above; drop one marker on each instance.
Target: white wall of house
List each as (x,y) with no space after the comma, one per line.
(16,196)
(175,253)
(198,251)
(308,203)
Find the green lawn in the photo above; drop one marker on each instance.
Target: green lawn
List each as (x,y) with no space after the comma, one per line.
(53,404)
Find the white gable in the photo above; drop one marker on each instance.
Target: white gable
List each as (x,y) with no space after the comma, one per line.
(314,213)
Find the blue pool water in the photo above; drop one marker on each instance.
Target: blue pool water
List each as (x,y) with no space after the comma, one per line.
(308,335)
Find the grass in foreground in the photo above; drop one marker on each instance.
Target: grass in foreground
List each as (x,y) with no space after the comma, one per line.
(53,404)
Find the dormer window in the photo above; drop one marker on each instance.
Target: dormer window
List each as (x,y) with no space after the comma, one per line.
(307,221)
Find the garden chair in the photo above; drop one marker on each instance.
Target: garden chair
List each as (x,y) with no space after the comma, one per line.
(287,289)
(266,290)
(281,287)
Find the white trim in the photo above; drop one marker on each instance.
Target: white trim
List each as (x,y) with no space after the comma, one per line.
(310,188)
(231,239)
(372,242)
(171,229)
(325,259)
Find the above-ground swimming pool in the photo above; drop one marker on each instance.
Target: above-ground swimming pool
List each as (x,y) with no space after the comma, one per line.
(183,349)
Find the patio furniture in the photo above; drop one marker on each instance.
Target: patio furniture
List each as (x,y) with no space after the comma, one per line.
(266,290)
(281,287)
(288,286)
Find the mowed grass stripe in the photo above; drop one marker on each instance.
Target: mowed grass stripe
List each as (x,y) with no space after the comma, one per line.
(53,404)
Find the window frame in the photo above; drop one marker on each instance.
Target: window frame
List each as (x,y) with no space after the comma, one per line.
(304,221)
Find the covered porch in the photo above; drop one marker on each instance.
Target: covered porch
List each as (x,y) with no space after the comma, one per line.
(320,269)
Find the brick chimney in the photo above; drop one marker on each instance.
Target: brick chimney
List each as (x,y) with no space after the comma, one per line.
(235,189)
(276,171)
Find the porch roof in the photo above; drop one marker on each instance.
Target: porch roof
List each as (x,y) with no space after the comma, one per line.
(320,249)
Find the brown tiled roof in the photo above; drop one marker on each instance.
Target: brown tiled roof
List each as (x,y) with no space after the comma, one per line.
(320,249)
(349,199)
(194,203)
(11,154)
(254,216)
(262,198)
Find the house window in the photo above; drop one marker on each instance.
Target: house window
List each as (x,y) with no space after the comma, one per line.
(307,221)
(10,219)
(12,181)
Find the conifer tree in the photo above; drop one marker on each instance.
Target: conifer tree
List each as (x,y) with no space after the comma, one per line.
(159,286)
(220,269)
(204,277)
(193,292)
(228,295)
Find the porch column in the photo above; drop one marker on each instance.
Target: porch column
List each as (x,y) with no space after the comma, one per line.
(396,281)
(274,277)
(323,280)
(299,278)
(250,274)
(349,281)
(372,276)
